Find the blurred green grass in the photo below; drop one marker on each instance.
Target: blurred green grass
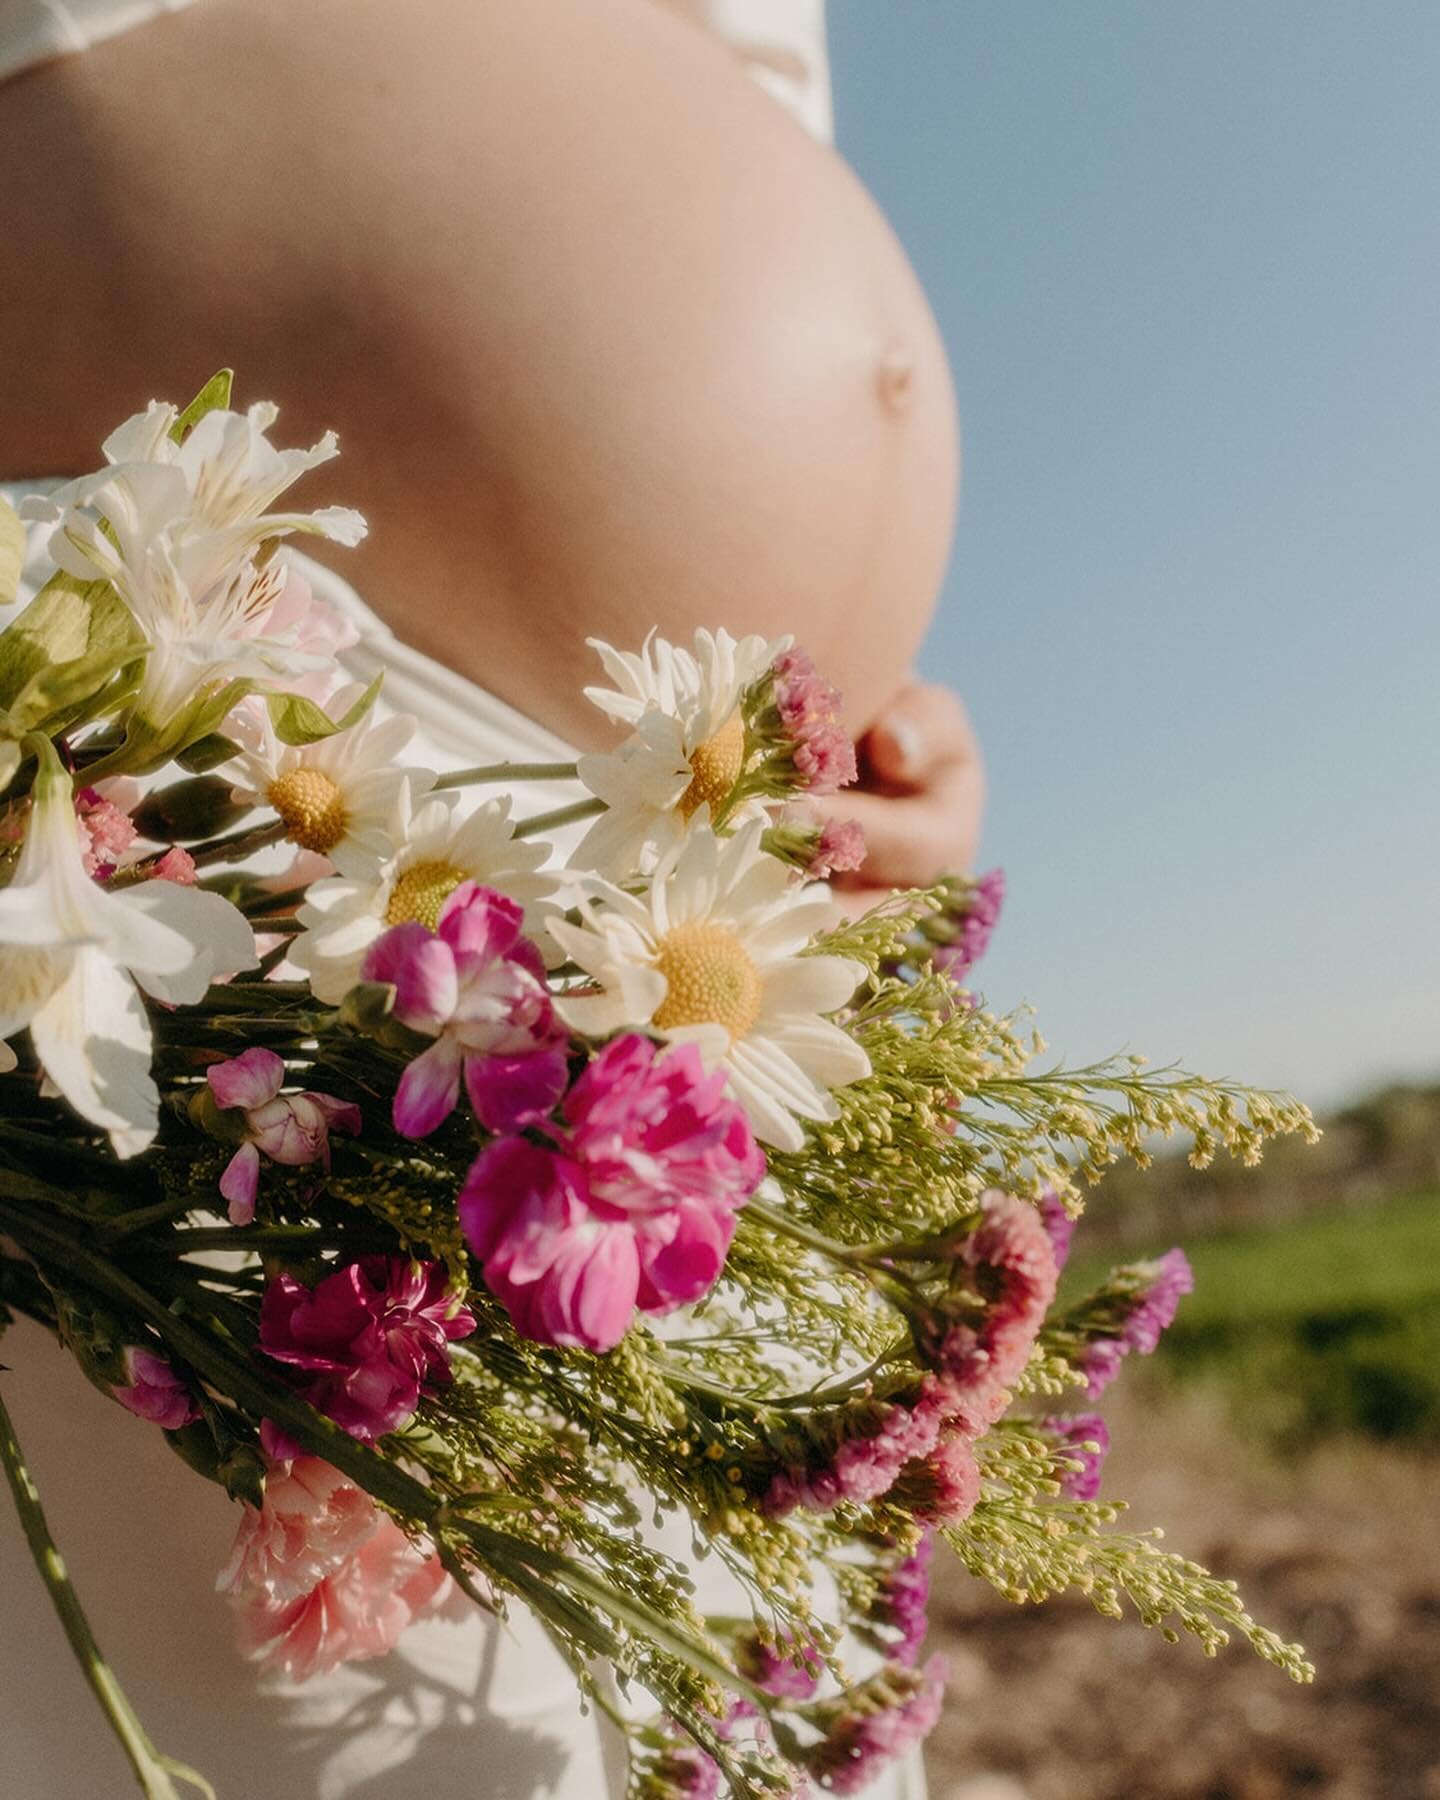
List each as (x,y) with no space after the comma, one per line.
(1323,1326)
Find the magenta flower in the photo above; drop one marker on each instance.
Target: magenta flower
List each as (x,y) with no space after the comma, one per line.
(872,1441)
(293,1129)
(155,1392)
(786,1670)
(370,1339)
(632,1205)
(476,985)
(943,1487)
(809,709)
(1085,1441)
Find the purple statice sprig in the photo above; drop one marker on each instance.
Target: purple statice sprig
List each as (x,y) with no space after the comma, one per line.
(1129,1314)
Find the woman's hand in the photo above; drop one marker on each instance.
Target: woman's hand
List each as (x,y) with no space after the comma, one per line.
(920,796)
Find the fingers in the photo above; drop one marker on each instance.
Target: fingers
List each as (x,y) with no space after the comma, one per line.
(923,728)
(923,795)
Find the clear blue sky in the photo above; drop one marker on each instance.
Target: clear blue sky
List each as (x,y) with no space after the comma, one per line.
(1186,258)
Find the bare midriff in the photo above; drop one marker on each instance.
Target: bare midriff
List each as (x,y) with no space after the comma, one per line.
(609,342)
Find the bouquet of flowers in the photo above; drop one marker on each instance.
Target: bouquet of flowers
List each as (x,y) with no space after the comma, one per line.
(459,1212)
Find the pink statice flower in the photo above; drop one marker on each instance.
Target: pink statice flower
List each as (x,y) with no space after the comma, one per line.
(884,1719)
(943,1486)
(107,833)
(787,1670)
(971,925)
(368,1340)
(631,1204)
(902,1602)
(1059,1226)
(809,710)
(154,1391)
(476,984)
(177,865)
(359,1610)
(292,1129)
(839,850)
(1012,1267)
(1149,1307)
(1083,1440)
(862,1450)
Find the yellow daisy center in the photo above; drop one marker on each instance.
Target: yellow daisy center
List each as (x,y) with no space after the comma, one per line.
(710,979)
(715,767)
(420,891)
(311,808)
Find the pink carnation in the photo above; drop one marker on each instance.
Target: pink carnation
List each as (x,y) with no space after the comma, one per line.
(359,1610)
(809,709)
(370,1339)
(633,1205)
(476,985)
(155,1392)
(177,865)
(839,850)
(293,1129)
(314,1519)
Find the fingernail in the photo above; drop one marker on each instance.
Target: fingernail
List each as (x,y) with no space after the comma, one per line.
(905,735)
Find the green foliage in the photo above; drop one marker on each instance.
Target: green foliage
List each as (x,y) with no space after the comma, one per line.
(297,720)
(12,551)
(213,397)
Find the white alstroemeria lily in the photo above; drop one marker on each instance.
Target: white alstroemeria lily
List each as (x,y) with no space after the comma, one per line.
(336,797)
(177,528)
(685,750)
(72,951)
(435,851)
(710,954)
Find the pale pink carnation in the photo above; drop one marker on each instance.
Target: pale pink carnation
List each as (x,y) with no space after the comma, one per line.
(632,1203)
(314,1519)
(369,1339)
(476,984)
(839,850)
(291,1129)
(155,1392)
(357,1611)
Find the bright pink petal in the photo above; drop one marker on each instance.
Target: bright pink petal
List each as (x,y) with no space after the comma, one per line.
(421,969)
(428,1090)
(247,1080)
(510,1091)
(480,924)
(240,1182)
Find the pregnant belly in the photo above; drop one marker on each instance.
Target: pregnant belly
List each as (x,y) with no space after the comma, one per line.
(608,340)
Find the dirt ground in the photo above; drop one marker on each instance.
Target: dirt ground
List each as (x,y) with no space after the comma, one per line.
(1341,1551)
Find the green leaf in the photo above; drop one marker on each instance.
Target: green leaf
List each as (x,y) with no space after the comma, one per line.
(186,812)
(12,551)
(68,621)
(208,753)
(297,720)
(214,396)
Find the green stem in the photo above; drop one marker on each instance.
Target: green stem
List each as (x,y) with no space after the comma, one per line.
(847,1256)
(156,1772)
(509,771)
(235,846)
(562,815)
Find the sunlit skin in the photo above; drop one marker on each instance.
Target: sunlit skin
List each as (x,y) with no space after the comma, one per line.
(608,340)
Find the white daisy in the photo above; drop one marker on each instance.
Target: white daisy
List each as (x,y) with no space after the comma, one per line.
(710,955)
(436,852)
(336,797)
(686,748)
